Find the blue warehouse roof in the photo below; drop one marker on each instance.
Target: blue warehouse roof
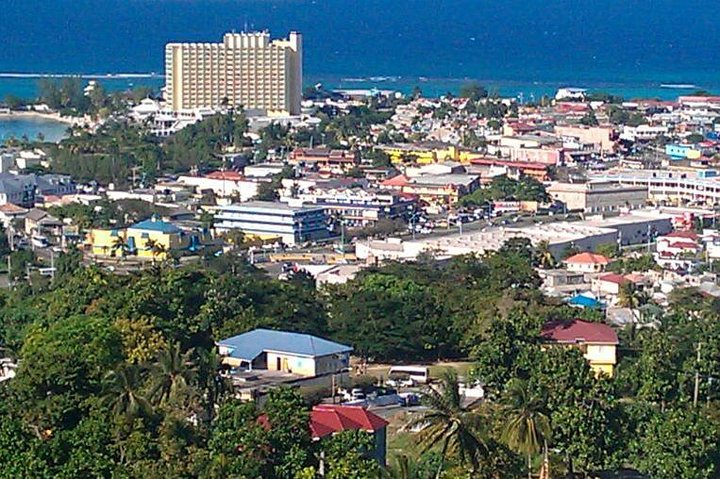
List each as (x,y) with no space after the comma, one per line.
(156,225)
(248,346)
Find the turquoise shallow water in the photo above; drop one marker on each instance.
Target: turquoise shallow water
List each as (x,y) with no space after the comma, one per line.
(30,127)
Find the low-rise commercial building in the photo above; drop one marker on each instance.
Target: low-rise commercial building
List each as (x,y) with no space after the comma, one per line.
(357,207)
(298,354)
(601,138)
(425,154)
(599,196)
(269,220)
(325,159)
(664,186)
(636,228)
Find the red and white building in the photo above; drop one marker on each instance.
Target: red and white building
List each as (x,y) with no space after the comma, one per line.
(678,251)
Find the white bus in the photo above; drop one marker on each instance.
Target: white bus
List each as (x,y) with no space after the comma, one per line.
(408,375)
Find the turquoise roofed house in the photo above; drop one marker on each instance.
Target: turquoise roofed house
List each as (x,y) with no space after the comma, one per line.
(154,224)
(298,354)
(156,239)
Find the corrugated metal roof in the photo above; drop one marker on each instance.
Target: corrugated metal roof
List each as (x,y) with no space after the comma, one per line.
(156,225)
(248,346)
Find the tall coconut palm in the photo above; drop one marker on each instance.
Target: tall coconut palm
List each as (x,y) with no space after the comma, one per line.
(122,393)
(633,298)
(448,423)
(213,387)
(543,257)
(172,375)
(527,428)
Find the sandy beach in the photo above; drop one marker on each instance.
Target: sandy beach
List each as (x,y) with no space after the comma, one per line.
(44,116)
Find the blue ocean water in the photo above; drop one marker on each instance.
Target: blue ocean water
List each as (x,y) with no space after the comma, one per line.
(515,46)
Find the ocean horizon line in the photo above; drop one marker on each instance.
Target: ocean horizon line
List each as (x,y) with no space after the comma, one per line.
(90,76)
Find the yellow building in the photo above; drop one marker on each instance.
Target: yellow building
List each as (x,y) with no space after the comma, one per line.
(148,239)
(597,341)
(246,69)
(426,154)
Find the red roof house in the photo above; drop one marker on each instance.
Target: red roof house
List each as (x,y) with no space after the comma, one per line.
(579,331)
(587,262)
(613,278)
(396,182)
(225,175)
(597,341)
(687,235)
(327,419)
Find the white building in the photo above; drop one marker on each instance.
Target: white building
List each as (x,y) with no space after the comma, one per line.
(246,69)
(268,220)
(570,93)
(670,186)
(643,132)
(224,184)
(356,206)
(163,121)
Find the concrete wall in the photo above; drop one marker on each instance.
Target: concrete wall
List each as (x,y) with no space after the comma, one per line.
(292,364)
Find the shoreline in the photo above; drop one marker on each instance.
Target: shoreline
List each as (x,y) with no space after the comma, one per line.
(37,115)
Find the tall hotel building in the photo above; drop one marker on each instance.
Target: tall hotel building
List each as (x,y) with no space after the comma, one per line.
(246,69)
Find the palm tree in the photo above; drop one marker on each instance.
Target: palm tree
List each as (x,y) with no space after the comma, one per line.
(527,428)
(172,374)
(448,423)
(543,256)
(631,297)
(122,393)
(212,385)
(119,243)
(155,248)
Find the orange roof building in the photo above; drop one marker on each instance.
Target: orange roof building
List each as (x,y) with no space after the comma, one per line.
(587,263)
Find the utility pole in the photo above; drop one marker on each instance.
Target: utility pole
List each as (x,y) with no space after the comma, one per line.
(52,265)
(342,243)
(696,392)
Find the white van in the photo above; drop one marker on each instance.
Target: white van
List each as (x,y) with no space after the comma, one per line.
(407,376)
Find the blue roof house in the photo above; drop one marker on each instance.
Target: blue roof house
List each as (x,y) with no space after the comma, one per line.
(299,354)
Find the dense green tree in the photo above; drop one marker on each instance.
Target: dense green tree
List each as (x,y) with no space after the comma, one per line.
(473,92)
(400,318)
(681,444)
(347,456)
(62,366)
